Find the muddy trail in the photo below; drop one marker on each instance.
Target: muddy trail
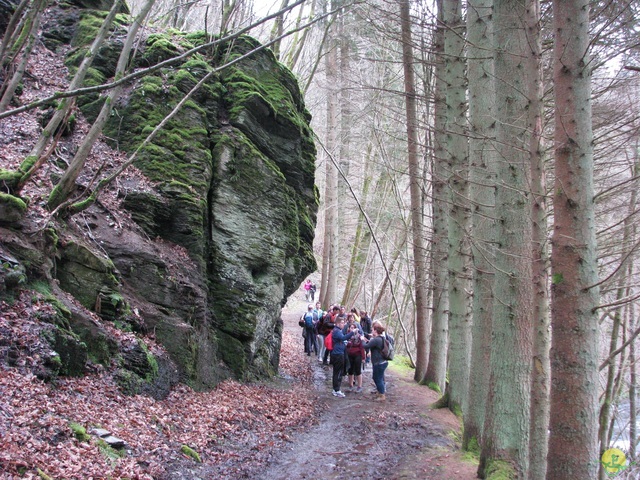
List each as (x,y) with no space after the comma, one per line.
(357,437)
(353,437)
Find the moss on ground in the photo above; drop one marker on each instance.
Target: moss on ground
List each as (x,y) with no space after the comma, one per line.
(500,470)
(190,452)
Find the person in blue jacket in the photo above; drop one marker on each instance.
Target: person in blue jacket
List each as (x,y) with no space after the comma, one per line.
(338,354)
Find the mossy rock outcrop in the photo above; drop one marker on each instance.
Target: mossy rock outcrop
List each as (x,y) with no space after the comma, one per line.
(233,192)
(12,208)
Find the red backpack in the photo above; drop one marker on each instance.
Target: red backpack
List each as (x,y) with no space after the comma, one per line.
(328,341)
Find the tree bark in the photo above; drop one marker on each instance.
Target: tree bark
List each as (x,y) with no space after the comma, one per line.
(329,283)
(541,368)
(574,346)
(459,217)
(278,29)
(437,364)
(482,191)
(415,180)
(506,435)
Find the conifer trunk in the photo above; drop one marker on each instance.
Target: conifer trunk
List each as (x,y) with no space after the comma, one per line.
(574,346)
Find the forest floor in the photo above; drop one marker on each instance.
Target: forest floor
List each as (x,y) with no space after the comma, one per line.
(355,437)
(290,427)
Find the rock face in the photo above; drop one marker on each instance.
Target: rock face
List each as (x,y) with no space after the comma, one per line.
(233,176)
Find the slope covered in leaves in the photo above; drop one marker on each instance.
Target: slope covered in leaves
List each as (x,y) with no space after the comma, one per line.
(228,426)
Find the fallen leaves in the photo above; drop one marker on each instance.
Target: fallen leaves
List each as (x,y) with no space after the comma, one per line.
(229,423)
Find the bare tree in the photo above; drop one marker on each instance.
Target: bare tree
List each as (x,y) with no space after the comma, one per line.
(67,183)
(506,435)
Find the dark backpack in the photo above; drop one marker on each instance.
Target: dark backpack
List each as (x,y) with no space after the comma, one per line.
(387,349)
(308,320)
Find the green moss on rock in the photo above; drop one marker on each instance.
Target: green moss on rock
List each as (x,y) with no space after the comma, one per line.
(190,452)
(232,352)
(79,432)
(12,208)
(159,47)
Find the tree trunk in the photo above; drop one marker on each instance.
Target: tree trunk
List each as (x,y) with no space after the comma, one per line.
(361,243)
(329,284)
(540,370)
(67,183)
(437,365)
(415,180)
(506,435)
(278,29)
(482,192)
(8,29)
(633,379)
(31,29)
(299,40)
(459,217)
(633,385)
(574,346)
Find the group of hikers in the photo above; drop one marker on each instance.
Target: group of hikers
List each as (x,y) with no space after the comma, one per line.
(348,342)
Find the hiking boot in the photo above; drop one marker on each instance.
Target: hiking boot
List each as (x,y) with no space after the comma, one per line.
(338,394)
(380,398)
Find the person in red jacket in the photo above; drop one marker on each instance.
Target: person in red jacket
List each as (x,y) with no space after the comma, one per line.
(326,328)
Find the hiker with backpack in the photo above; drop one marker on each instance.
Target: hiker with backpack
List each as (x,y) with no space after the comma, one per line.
(327,327)
(339,340)
(309,331)
(380,363)
(318,319)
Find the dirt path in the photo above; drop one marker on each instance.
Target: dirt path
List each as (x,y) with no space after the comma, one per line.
(356,437)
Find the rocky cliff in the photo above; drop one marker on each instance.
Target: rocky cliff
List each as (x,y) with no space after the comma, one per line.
(224,215)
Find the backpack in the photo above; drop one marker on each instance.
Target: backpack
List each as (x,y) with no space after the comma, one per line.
(328,341)
(308,320)
(387,349)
